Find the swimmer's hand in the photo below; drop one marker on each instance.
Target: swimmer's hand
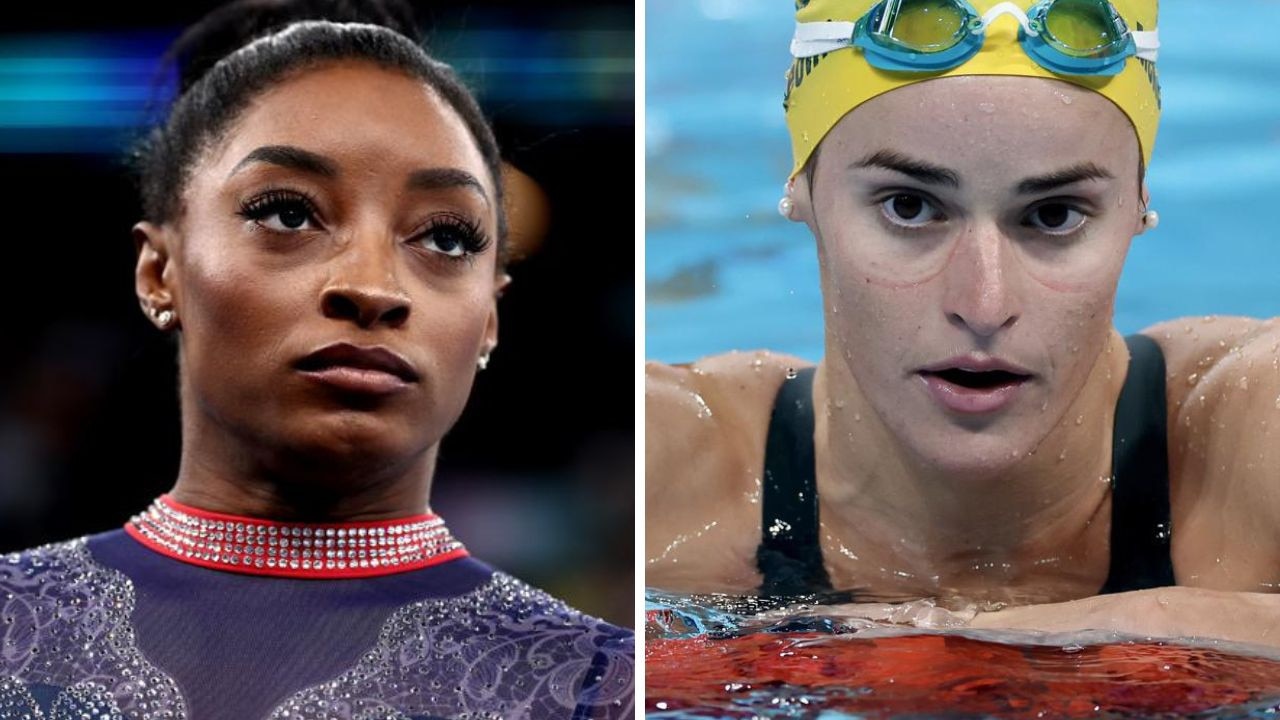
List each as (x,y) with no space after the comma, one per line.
(1170,612)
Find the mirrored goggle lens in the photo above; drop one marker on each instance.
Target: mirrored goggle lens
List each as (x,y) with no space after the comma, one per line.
(1083,28)
(924,25)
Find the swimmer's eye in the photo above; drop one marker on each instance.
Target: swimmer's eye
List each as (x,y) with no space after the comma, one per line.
(909,210)
(280,210)
(1055,218)
(454,236)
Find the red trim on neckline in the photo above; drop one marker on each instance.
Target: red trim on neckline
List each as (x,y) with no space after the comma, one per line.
(227,517)
(313,573)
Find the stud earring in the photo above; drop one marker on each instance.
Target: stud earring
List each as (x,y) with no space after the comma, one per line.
(785,206)
(483,361)
(1150,219)
(164,318)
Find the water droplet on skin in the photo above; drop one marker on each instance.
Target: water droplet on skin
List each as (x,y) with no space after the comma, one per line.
(703,410)
(757,364)
(1193,378)
(1079,420)
(857,417)
(1044,406)
(1066,99)
(1062,456)
(1208,319)
(1244,383)
(1075,349)
(1278,402)
(987,107)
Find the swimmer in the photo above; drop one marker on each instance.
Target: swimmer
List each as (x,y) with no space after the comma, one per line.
(973,175)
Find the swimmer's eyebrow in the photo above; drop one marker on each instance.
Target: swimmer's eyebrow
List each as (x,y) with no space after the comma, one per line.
(918,169)
(1055,180)
(296,158)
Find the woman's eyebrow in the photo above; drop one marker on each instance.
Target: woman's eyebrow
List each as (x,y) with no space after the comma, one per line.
(1066,176)
(296,158)
(292,157)
(918,169)
(438,178)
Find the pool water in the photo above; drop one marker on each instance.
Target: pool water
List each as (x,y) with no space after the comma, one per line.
(703,661)
(723,271)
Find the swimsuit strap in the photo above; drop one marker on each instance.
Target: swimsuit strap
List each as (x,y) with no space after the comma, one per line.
(1140,515)
(789,556)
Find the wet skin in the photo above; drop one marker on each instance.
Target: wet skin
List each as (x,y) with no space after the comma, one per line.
(964,218)
(315,221)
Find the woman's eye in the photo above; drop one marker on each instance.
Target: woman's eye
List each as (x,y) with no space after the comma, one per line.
(1057,218)
(453,238)
(909,210)
(280,213)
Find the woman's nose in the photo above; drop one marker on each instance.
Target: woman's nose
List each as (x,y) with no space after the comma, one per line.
(364,288)
(981,292)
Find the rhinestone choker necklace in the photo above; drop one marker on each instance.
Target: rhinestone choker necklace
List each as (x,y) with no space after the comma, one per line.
(297,550)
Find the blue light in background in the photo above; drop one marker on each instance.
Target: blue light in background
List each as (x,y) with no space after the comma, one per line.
(87,93)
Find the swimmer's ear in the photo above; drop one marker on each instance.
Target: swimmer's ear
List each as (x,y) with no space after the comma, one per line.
(1143,224)
(797,189)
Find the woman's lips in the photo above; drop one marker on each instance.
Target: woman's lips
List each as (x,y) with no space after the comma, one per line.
(358,380)
(973,400)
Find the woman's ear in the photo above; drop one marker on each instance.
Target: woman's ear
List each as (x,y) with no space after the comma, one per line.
(1148,218)
(152,276)
(491,325)
(798,190)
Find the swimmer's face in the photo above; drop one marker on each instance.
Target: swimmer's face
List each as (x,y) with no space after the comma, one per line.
(969,220)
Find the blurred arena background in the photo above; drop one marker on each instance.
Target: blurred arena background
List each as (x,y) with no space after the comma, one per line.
(538,476)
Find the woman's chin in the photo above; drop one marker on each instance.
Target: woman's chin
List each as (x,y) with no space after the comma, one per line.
(960,452)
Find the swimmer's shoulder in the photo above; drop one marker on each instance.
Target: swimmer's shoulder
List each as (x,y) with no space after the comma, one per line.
(705,429)
(1224,448)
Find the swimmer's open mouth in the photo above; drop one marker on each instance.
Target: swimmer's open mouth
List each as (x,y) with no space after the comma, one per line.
(978,379)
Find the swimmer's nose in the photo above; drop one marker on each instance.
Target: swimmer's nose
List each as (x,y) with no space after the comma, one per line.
(980,294)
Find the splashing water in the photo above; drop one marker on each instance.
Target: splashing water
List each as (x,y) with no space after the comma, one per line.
(741,657)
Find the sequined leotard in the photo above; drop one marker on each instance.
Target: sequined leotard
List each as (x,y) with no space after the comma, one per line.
(119,626)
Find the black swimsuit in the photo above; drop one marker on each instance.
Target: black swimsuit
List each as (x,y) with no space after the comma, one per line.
(790,557)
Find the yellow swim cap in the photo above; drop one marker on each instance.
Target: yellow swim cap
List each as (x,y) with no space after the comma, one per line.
(824,88)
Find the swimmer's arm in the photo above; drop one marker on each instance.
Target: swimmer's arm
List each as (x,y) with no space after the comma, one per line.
(1171,612)
(1225,468)
(698,538)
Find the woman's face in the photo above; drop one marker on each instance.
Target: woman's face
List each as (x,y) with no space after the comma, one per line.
(968,225)
(348,204)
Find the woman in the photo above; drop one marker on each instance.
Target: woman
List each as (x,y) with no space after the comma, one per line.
(972,176)
(324,235)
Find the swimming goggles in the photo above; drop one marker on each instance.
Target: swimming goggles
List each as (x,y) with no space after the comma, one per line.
(1068,37)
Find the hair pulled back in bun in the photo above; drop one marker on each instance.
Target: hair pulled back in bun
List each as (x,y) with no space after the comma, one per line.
(245,47)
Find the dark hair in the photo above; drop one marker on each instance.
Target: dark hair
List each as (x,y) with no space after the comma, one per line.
(245,47)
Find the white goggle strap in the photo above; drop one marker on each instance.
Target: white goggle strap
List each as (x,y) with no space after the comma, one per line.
(816,38)
(1148,43)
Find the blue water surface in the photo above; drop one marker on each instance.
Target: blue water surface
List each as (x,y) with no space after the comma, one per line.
(723,271)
